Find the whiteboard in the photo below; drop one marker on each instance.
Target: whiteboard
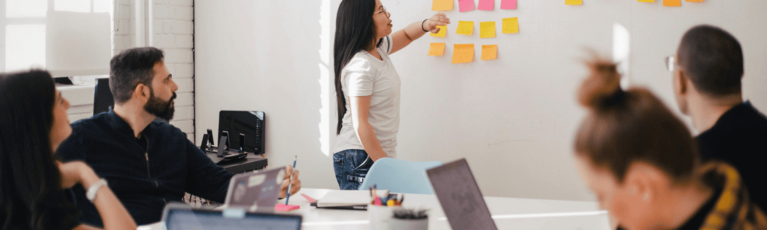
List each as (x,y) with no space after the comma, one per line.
(513,118)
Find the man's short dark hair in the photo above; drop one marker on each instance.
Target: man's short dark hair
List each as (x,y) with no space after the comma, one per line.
(713,60)
(131,67)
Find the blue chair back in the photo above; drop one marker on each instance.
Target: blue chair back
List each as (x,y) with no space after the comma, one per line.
(400,176)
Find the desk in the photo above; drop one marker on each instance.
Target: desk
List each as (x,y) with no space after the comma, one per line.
(508,213)
(251,163)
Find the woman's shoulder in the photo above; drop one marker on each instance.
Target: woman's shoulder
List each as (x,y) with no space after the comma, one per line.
(359,63)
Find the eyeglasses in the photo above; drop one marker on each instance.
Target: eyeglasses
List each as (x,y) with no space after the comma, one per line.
(383,10)
(671,63)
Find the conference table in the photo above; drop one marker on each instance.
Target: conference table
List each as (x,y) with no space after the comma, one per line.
(508,213)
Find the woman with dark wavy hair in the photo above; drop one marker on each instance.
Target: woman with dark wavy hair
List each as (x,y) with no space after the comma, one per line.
(33,183)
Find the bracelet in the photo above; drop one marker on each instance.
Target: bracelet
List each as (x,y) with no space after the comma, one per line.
(424,30)
(91,194)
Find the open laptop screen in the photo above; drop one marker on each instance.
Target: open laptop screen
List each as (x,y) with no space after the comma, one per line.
(193,219)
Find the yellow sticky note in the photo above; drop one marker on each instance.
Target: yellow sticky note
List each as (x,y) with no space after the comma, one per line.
(442,32)
(573,2)
(463,53)
(510,25)
(442,5)
(465,27)
(489,52)
(436,49)
(486,29)
(646,0)
(672,2)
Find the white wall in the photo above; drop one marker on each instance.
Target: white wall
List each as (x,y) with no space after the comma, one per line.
(512,118)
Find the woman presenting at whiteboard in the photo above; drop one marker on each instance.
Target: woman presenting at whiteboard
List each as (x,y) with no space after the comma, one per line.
(368,86)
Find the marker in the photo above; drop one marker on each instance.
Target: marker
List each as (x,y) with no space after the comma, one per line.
(287,197)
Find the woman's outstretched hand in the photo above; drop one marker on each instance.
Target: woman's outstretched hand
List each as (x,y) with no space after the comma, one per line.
(438,19)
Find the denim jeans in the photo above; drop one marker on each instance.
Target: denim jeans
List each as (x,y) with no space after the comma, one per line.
(351,167)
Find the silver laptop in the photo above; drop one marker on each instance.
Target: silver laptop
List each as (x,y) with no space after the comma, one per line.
(459,195)
(256,191)
(180,216)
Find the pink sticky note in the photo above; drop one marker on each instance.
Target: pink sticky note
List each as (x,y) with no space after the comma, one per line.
(509,4)
(311,200)
(486,5)
(286,208)
(466,5)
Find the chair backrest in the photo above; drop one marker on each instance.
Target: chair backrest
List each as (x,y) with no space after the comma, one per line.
(103,98)
(400,176)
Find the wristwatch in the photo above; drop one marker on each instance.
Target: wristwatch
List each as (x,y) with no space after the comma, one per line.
(91,194)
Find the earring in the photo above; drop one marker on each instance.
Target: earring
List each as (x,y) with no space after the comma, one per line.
(646,197)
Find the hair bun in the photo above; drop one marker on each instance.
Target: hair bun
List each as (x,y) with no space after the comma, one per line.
(601,87)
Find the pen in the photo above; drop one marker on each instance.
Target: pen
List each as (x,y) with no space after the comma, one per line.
(287,197)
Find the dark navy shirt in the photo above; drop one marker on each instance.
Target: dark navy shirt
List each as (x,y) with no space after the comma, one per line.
(144,181)
(739,138)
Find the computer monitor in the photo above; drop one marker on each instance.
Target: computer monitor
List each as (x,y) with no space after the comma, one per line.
(102,98)
(250,123)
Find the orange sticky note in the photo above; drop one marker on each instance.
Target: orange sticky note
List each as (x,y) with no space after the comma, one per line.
(463,53)
(442,5)
(486,29)
(672,2)
(573,2)
(436,49)
(489,52)
(442,32)
(646,0)
(465,27)
(510,25)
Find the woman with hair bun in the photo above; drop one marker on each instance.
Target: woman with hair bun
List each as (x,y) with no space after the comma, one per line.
(642,164)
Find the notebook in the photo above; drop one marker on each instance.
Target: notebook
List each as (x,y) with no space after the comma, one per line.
(353,199)
(459,195)
(256,191)
(179,216)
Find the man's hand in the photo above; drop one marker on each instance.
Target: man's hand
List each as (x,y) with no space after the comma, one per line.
(296,183)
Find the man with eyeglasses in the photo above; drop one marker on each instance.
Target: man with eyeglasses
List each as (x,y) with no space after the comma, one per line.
(707,71)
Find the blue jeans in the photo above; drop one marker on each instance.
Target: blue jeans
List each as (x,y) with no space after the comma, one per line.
(351,167)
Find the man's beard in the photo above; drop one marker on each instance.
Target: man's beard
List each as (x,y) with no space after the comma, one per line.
(160,108)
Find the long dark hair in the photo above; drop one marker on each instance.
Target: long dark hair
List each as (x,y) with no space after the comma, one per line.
(355,31)
(30,182)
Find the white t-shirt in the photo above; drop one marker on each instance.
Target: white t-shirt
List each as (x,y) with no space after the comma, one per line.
(366,75)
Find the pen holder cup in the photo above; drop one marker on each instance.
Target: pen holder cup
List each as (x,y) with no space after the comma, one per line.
(380,216)
(409,224)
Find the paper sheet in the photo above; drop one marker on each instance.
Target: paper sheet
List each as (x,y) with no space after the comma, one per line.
(508,4)
(436,49)
(463,53)
(466,5)
(442,32)
(486,5)
(489,52)
(442,5)
(486,29)
(573,2)
(465,27)
(510,25)
(672,2)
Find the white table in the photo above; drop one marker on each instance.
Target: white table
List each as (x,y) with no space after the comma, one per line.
(508,213)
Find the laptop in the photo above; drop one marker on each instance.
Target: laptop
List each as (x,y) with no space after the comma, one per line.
(256,191)
(180,216)
(460,197)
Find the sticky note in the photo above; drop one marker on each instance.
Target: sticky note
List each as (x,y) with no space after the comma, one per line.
(463,53)
(646,0)
(442,32)
(285,208)
(308,198)
(465,27)
(466,5)
(486,29)
(442,5)
(436,49)
(508,4)
(672,2)
(489,52)
(573,2)
(486,5)
(510,25)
